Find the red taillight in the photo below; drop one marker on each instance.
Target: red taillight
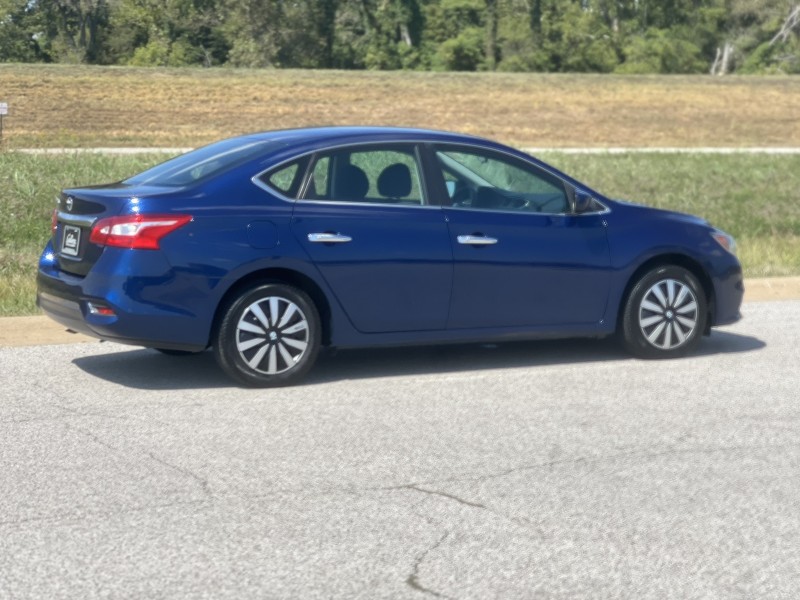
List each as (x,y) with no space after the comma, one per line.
(54,222)
(142,232)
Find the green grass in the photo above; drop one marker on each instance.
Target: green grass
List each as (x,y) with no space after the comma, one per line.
(28,188)
(755,198)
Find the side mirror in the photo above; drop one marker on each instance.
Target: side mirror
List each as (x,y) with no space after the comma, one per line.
(583,202)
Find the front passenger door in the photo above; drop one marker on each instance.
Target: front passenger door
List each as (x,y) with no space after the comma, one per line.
(521,259)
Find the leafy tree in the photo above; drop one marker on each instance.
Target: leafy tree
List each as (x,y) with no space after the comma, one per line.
(465,52)
(577,39)
(682,37)
(274,33)
(765,35)
(629,36)
(23,36)
(456,29)
(519,36)
(82,28)
(389,33)
(54,30)
(171,33)
(659,52)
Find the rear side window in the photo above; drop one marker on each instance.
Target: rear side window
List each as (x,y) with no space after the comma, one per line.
(286,178)
(375,174)
(203,163)
(283,178)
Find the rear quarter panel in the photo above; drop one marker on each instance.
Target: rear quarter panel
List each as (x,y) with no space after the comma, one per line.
(238,230)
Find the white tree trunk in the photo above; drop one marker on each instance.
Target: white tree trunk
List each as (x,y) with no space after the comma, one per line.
(792,21)
(722,61)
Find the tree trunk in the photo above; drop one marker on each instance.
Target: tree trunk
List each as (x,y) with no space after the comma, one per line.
(722,60)
(405,35)
(536,16)
(491,34)
(792,21)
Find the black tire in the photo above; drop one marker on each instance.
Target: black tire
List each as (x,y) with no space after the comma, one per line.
(665,314)
(169,352)
(268,336)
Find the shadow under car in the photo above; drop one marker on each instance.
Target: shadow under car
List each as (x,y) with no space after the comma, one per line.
(147,369)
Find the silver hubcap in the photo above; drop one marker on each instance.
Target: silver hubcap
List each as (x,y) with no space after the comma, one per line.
(668,314)
(272,335)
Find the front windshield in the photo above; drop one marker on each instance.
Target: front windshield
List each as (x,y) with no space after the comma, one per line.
(201,163)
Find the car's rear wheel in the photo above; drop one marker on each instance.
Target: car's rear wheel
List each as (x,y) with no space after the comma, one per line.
(665,314)
(268,336)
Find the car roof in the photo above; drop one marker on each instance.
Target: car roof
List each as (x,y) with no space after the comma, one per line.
(295,142)
(323,135)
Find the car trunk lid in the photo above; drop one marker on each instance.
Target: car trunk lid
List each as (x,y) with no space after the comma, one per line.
(78,210)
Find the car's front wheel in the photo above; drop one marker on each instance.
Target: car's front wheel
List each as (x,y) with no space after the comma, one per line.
(268,336)
(665,314)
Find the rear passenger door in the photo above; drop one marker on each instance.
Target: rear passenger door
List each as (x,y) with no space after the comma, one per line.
(366,223)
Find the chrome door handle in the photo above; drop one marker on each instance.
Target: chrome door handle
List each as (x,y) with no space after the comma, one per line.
(476,240)
(329,238)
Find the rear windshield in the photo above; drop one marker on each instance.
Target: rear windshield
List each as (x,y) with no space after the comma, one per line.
(204,162)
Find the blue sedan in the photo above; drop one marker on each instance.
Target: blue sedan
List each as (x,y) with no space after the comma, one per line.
(266,247)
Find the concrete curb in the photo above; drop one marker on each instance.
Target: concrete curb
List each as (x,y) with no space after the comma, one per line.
(39,330)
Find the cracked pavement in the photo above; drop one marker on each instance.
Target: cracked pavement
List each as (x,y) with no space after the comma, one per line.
(544,469)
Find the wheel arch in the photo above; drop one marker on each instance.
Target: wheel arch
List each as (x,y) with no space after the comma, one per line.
(679,260)
(277,275)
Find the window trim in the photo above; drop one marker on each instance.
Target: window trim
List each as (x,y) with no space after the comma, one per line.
(415,145)
(432,182)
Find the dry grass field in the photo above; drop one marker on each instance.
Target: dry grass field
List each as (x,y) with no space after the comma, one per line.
(753,197)
(77,106)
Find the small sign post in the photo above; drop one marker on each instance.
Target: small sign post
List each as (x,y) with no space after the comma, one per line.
(3,113)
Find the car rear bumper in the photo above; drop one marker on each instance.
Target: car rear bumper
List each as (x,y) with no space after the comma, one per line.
(69,300)
(61,310)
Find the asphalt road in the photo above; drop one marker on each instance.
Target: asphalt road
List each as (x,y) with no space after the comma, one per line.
(546,470)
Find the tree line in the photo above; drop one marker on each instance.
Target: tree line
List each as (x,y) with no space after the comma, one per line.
(602,36)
